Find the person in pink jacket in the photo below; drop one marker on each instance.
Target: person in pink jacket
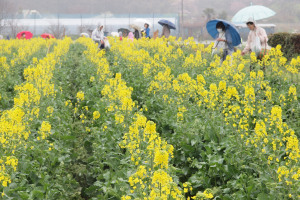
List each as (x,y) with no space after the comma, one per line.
(130,36)
(255,31)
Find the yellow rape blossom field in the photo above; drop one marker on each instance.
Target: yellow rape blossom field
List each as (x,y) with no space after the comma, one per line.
(148,120)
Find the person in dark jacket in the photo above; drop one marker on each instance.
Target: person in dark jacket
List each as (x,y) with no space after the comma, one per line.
(166,31)
(136,34)
(136,31)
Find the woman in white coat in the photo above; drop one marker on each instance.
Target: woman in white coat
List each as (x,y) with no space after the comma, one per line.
(256,33)
(98,36)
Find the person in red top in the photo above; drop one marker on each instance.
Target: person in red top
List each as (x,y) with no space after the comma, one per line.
(120,35)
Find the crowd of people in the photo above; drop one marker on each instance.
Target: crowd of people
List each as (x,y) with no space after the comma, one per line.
(256,42)
(257,38)
(99,37)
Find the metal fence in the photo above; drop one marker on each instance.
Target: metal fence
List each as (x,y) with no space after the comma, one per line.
(75,24)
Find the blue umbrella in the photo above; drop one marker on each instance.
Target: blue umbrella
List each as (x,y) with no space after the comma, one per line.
(168,23)
(212,30)
(256,12)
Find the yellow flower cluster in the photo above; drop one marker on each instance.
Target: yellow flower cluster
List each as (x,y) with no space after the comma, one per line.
(4,67)
(96,115)
(25,49)
(96,57)
(119,94)
(45,130)
(203,195)
(7,162)
(15,122)
(80,95)
(149,153)
(245,99)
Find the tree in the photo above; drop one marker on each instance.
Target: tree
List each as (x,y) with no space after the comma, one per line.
(57,30)
(84,28)
(223,15)
(13,26)
(209,13)
(5,10)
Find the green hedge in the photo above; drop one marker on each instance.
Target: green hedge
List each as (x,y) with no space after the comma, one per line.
(290,43)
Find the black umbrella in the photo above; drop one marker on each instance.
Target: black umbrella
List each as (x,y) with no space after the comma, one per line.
(124,31)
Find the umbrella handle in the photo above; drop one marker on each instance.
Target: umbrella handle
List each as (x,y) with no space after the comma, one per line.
(219,41)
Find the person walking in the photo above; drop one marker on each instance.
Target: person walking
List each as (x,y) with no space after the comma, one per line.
(166,31)
(257,38)
(223,41)
(257,41)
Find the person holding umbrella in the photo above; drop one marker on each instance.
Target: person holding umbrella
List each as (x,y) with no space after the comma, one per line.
(136,32)
(166,31)
(167,26)
(225,34)
(24,35)
(47,36)
(224,40)
(257,38)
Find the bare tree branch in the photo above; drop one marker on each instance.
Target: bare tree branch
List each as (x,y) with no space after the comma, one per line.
(84,28)
(13,26)
(57,30)
(5,10)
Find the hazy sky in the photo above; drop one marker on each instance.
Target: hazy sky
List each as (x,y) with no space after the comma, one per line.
(287,10)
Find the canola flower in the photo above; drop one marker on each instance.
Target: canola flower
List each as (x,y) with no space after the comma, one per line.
(246,102)
(246,99)
(80,95)
(151,180)
(96,115)
(15,122)
(25,49)
(149,152)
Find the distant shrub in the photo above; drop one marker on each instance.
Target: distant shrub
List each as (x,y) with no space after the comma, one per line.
(290,43)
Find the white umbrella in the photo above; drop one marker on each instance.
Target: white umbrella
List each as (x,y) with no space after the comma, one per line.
(85,35)
(255,11)
(141,22)
(114,34)
(134,26)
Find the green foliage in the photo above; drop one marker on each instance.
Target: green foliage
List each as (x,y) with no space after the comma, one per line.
(83,164)
(290,43)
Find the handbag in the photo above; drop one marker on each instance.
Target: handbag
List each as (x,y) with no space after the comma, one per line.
(256,46)
(106,44)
